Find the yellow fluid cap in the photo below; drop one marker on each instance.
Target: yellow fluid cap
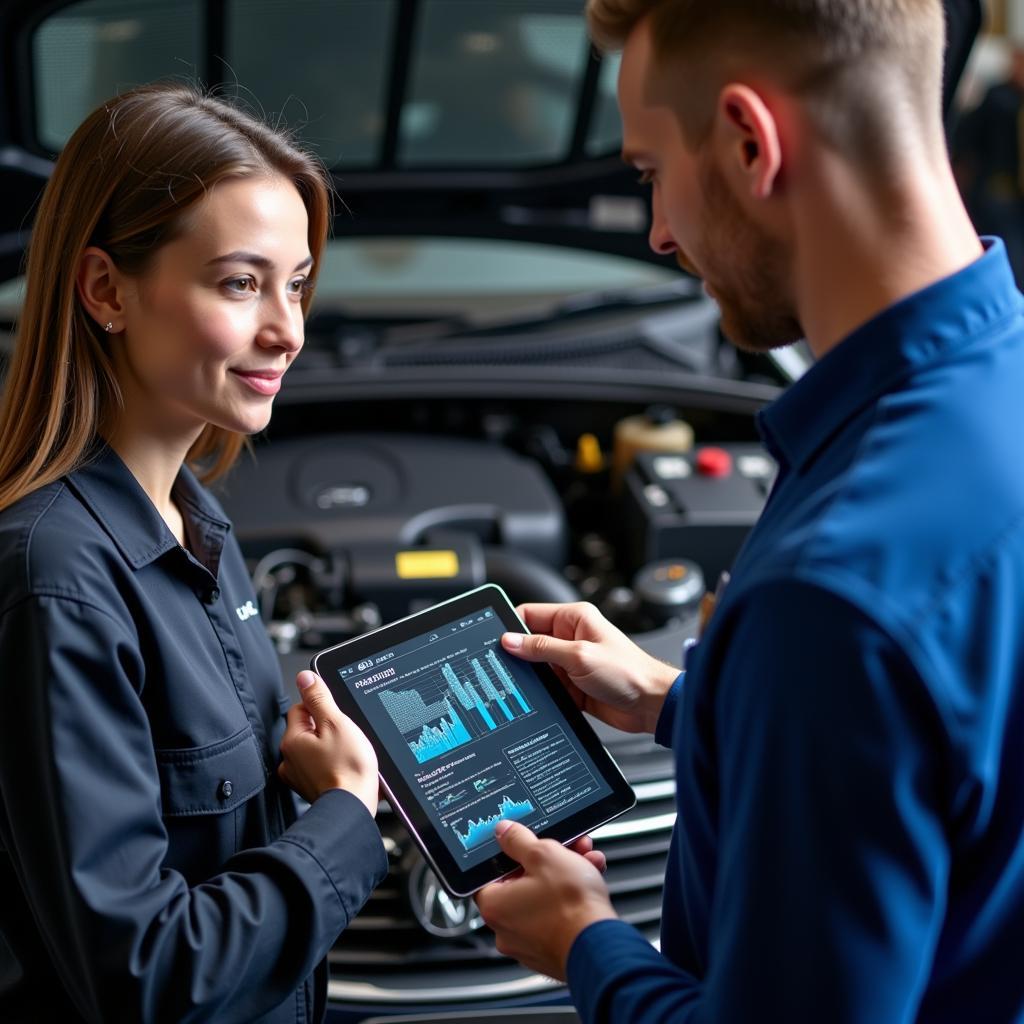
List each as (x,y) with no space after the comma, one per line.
(589,458)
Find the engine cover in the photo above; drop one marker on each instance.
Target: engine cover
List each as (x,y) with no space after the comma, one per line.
(350,490)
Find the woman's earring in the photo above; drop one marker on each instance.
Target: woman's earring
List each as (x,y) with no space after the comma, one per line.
(108,326)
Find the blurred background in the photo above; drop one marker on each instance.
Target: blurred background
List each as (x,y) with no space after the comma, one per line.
(987,138)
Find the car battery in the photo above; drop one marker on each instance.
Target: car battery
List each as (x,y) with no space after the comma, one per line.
(698,505)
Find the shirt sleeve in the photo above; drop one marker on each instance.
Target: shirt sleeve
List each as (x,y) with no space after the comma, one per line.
(665,725)
(832,863)
(131,939)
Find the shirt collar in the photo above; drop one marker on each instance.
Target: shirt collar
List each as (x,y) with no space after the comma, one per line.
(107,487)
(944,317)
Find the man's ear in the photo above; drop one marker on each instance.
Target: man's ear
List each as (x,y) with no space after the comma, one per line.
(100,288)
(751,142)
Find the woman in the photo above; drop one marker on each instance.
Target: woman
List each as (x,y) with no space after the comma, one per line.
(152,866)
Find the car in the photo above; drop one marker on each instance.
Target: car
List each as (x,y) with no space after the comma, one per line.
(496,366)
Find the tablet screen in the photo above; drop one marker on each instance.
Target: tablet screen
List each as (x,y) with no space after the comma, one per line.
(474,733)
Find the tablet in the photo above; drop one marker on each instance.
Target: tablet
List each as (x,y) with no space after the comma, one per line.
(467,734)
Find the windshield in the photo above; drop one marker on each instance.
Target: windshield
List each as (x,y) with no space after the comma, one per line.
(508,94)
(376,85)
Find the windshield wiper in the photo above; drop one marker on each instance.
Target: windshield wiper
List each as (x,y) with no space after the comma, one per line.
(575,307)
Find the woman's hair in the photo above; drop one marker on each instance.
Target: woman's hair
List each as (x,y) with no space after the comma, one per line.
(124,182)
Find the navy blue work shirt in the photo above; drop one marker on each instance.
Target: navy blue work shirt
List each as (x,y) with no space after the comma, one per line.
(849,736)
(151,864)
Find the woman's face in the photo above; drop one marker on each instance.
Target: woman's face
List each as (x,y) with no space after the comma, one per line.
(215,321)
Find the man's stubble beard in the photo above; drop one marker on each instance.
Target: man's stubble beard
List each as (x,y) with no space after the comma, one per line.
(746,269)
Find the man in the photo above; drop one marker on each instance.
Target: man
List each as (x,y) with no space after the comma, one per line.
(850,772)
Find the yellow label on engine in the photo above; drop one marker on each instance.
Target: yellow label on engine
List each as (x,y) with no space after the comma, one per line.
(426,565)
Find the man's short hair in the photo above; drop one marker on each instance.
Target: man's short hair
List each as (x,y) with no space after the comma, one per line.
(848,59)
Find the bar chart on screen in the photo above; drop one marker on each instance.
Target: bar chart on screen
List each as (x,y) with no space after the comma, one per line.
(466,698)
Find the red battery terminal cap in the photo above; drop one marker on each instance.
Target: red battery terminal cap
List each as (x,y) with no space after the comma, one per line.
(714,462)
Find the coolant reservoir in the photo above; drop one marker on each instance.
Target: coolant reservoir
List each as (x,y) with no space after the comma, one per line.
(656,430)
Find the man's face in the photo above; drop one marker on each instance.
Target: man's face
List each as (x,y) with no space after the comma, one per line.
(695,215)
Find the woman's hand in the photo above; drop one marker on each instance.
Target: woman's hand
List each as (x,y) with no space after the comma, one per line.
(324,749)
(606,674)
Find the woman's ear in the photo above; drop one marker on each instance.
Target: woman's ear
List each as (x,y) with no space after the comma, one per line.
(100,289)
(752,142)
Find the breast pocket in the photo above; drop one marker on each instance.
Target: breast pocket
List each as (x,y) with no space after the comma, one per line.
(212,779)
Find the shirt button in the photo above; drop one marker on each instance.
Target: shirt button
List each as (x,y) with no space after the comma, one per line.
(226,789)
(211,595)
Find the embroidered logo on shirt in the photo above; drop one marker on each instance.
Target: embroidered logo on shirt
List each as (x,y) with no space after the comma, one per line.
(247,611)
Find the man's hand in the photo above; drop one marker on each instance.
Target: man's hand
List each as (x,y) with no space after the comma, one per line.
(606,674)
(324,749)
(537,914)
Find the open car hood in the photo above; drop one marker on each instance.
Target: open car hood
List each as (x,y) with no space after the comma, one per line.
(437,118)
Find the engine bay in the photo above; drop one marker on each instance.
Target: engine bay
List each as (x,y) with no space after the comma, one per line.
(347,530)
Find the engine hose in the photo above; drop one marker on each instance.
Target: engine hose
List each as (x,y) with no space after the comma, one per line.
(524,578)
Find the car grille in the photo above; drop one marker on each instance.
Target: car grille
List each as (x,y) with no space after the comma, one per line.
(387,956)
